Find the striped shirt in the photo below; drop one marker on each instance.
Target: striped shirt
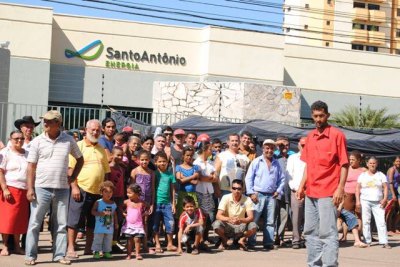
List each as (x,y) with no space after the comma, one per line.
(51,157)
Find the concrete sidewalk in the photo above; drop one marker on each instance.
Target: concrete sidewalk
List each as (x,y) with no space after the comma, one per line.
(283,257)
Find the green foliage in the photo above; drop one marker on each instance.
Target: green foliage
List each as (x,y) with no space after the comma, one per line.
(369,118)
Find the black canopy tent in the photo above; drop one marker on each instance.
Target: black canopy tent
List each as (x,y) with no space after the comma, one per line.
(379,143)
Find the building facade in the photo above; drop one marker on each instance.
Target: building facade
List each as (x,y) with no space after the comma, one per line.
(366,25)
(85,62)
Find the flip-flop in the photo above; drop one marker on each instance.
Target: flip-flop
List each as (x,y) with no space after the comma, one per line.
(159,250)
(243,247)
(361,245)
(221,248)
(173,248)
(30,262)
(139,257)
(64,262)
(151,251)
(72,255)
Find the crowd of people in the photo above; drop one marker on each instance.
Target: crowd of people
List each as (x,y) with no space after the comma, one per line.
(124,192)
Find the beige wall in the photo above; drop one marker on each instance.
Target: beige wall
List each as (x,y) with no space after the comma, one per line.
(346,71)
(208,51)
(28,29)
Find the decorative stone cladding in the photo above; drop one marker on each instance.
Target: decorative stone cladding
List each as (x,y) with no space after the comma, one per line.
(243,101)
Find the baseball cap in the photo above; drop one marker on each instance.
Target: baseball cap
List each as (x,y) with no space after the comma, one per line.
(203,138)
(179,132)
(269,142)
(52,115)
(127,129)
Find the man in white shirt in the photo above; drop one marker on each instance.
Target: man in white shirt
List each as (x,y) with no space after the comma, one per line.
(230,164)
(295,169)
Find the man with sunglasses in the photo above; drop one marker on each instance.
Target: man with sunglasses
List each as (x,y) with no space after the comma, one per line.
(265,180)
(235,217)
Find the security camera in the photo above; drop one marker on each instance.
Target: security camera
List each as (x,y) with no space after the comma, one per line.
(4,44)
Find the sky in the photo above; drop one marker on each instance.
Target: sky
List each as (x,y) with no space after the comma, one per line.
(259,15)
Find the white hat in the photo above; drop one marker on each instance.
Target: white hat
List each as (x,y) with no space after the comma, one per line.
(269,142)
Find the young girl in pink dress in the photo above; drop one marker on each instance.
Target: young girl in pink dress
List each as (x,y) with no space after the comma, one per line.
(133,227)
(144,177)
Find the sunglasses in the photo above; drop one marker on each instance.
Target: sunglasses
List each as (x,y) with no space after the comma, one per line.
(167,133)
(18,139)
(237,188)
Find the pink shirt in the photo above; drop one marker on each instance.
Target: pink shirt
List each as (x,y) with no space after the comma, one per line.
(352,177)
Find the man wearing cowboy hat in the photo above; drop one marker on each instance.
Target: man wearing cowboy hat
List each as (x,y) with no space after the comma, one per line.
(26,125)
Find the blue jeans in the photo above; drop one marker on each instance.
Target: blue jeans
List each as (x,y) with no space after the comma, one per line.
(266,208)
(58,199)
(321,233)
(164,211)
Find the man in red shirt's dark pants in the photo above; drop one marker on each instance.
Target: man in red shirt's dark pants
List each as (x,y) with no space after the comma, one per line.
(324,178)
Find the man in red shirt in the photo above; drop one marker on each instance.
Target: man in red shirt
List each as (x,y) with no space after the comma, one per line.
(324,178)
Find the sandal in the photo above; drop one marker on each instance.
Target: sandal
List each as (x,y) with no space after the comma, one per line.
(159,250)
(64,261)
(221,247)
(30,262)
(172,248)
(72,255)
(151,251)
(360,245)
(139,257)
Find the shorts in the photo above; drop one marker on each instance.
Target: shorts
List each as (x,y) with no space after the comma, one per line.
(192,234)
(134,235)
(233,230)
(349,218)
(83,208)
(163,212)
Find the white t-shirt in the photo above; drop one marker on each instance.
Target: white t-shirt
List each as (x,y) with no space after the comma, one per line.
(233,167)
(372,186)
(14,166)
(206,169)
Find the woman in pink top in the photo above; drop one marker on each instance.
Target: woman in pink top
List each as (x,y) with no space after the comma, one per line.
(350,187)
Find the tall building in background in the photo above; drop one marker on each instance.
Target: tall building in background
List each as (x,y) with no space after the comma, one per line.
(369,25)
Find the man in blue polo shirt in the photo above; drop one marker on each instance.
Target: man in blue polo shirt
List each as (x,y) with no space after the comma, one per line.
(265,180)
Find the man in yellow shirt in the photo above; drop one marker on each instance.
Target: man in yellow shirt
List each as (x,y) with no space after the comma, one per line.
(235,217)
(85,189)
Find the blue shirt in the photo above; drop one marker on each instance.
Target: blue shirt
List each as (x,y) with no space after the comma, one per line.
(262,179)
(107,144)
(105,224)
(187,187)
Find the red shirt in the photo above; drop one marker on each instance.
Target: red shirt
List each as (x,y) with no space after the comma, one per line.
(117,178)
(324,155)
(185,219)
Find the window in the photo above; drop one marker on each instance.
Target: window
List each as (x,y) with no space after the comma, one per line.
(371,48)
(398,12)
(289,8)
(328,22)
(398,33)
(373,7)
(327,44)
(397,51)
(306,27)
(329,2)
(373,28)
(359,5)
(357,47)
(307,6)
(358,26)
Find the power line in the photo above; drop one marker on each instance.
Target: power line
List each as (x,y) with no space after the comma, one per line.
(218,19)
(197,22)
(278,13)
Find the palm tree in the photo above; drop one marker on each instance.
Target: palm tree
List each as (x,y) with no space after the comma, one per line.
(367,118)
